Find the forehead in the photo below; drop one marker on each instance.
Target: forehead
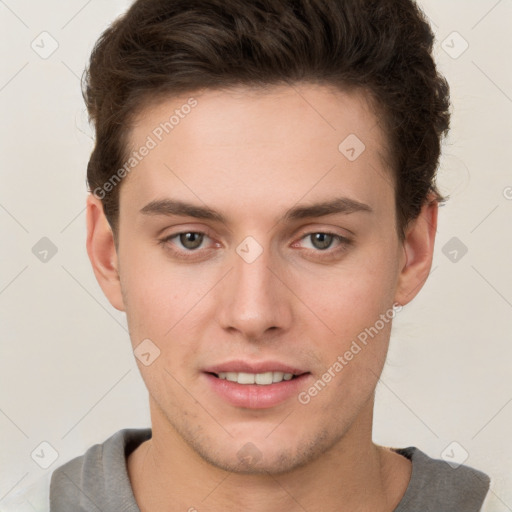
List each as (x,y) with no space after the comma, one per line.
(265,114)
(299,139)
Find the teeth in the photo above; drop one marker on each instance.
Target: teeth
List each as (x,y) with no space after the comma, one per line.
(277,376)
(246,378)
(263,379)
(232,376)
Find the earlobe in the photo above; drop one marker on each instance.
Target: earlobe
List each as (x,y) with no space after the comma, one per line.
(418,247)
(102,252)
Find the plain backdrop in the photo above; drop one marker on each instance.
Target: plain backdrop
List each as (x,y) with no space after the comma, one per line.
(68,375)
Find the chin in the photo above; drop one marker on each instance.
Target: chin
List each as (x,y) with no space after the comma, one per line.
(263,456)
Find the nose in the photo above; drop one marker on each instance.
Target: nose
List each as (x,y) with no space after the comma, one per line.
(254,301)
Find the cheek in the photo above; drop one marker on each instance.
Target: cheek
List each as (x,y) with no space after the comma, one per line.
(358,312)
(157,295)
(354,295)
(163,304)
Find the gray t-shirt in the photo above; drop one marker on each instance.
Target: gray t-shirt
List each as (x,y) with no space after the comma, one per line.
(98,480)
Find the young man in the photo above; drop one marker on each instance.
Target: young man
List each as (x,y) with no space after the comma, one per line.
(263,204)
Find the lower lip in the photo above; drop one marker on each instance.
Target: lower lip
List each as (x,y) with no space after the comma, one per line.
(257,396)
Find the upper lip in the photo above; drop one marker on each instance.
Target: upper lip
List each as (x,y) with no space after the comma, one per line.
(239,366)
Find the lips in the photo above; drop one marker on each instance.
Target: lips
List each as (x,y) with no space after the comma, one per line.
(255,385)
(240,366)
(263,379)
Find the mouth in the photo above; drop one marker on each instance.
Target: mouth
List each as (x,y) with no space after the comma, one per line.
(251,385)
(261,379)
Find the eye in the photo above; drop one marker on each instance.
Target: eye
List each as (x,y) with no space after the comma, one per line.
(189,246)
(322,241)
(189,240)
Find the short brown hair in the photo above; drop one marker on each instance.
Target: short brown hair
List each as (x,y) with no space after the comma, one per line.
(160,48)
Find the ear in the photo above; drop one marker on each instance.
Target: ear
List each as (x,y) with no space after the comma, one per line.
(102,252)
(418,247)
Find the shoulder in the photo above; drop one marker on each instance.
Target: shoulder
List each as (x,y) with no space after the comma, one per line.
(92,478)
(437,485)
(87,477)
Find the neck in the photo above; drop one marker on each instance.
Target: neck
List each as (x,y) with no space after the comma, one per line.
(354,475)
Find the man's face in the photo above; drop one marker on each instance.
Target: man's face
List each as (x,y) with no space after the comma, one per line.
(263,286)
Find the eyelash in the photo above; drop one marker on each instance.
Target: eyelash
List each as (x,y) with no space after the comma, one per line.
(188,254)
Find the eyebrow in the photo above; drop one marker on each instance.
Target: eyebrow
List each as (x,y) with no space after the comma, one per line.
(170,207)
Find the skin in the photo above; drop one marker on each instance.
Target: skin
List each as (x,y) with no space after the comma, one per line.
(251,156)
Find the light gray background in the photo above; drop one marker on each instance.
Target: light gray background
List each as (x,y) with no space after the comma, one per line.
(68,376)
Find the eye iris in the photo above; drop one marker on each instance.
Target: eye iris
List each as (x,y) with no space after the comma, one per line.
(321,240)
(191,240)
